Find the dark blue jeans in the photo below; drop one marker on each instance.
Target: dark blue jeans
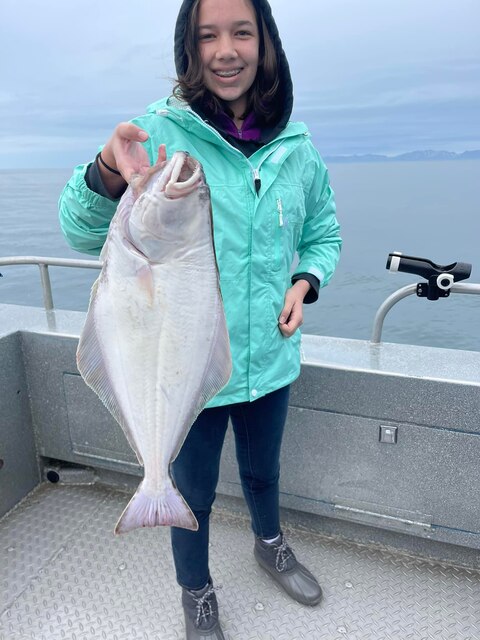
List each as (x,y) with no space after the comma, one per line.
(258,429)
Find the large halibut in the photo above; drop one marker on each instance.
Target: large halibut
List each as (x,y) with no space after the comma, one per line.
(155,344)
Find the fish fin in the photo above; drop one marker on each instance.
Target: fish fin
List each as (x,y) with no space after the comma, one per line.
(103,253)
(91,366)
(218,371)
(167,509)
(219,367)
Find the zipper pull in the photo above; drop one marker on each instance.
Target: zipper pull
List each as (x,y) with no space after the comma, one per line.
(256,180)
(280,212)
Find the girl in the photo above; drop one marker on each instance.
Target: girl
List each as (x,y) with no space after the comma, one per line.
(271,198)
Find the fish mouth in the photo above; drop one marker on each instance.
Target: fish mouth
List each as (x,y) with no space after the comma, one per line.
(181,175)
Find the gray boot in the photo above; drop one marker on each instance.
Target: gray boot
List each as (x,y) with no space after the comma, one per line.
(279,561)
(201,614)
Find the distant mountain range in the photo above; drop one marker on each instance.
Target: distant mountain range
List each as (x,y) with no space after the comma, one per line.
(408,157)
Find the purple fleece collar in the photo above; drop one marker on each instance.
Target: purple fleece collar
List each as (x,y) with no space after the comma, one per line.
(249,131)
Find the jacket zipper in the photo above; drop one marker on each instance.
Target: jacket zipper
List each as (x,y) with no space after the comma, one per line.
(256,181)
(280,212)
(256,172)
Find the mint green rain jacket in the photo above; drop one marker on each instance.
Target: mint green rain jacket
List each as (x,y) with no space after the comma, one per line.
(256,235)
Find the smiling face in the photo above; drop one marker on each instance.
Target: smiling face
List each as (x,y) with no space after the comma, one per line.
(228,44)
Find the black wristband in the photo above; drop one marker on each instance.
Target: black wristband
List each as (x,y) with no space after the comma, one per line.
(99,157)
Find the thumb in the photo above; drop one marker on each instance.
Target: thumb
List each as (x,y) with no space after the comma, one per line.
(286,311)
(162,154)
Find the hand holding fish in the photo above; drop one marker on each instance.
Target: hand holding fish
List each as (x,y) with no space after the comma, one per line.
(124,153)
(291,316)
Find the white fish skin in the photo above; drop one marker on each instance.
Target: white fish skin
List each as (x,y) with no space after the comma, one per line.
(155,344)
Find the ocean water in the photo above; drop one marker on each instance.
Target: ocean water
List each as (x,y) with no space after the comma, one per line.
(427,209)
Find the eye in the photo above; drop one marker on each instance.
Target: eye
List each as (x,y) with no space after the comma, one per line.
(243,33)
(206,36)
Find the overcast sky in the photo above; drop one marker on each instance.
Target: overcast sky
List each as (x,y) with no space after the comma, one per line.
(370,76)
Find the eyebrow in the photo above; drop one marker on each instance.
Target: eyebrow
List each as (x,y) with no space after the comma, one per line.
(238,23)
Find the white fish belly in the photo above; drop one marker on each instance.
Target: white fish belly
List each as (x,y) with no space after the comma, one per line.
(160,353)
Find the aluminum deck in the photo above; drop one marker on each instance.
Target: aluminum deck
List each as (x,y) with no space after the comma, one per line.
(66,576)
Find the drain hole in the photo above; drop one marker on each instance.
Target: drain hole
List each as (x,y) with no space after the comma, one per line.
(53,476)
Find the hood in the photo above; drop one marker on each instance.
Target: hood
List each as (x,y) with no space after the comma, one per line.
(262,7)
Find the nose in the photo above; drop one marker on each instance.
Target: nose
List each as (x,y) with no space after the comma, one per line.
(226,48)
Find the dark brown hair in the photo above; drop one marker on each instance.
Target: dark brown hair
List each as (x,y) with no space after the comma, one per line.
(263,95)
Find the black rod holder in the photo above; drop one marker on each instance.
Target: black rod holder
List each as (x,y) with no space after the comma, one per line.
(440,278)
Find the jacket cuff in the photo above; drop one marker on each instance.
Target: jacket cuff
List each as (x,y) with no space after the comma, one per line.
(95,183)
(313,281)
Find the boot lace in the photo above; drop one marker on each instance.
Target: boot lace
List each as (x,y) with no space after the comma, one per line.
(204,605)
(284,552)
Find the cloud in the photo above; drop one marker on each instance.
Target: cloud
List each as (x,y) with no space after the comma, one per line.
(369,77)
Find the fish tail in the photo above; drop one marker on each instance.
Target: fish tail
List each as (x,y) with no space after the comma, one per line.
(168,509)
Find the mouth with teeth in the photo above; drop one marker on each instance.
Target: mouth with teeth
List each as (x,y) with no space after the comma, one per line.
(227,74)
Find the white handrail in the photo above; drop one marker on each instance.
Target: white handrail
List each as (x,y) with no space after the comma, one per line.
(43,263)
(404,292)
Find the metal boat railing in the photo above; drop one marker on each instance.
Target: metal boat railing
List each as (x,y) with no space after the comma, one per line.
(44,262)
(404,292)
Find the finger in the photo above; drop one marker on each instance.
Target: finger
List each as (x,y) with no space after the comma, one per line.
(130,131)
(284,319)
(294,321)
(285,313)
(287,330)
(162,154)
(126,137)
